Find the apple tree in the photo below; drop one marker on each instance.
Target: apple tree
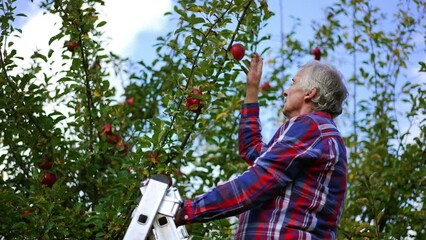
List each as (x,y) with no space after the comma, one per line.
(73,155)
(74,150)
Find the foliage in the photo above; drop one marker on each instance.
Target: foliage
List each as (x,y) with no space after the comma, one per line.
(98,169)
(387,169)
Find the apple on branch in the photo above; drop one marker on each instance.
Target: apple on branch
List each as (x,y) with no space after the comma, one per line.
(113,139)
(48,179)
(108,135)
(265,86)
(238,51)
(44,163)
(106,129)
(70,45)
(25,212)
(317,53)
(193,102)
(130,101)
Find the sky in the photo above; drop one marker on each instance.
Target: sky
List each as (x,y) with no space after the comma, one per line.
(133,26)
(126,20)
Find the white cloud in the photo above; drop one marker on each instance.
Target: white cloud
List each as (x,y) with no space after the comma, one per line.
(35,35)
(126,18)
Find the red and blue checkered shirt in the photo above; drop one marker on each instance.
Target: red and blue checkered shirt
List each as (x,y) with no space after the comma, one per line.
(295,185)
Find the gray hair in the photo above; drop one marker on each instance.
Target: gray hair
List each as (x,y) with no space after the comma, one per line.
(328,81)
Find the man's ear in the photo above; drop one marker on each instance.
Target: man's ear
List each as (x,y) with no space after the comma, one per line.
(310,94)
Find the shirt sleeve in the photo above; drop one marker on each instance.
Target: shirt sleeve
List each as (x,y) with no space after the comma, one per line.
(271,171)
(249,133)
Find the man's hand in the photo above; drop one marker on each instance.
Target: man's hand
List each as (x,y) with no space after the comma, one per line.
(178,216)
(253,78)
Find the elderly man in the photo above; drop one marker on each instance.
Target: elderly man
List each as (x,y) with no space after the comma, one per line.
(295,185)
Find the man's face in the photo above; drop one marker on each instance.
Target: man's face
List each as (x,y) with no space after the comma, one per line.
(294,97)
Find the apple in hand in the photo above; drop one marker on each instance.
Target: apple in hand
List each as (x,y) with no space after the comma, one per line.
(48,179)
(193,103)
(317,53)
(71,45)
(238,51)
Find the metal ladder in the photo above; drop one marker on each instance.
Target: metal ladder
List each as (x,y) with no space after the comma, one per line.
(153,218)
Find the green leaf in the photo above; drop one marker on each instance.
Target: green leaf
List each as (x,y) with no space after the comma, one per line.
(195,9)
(101,24)
(38,55)
(422,67)
(56,37)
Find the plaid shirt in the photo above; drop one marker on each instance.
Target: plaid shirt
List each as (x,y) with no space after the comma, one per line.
(295,186)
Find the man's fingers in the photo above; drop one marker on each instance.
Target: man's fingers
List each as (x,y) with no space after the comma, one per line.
(260,65)
(255,65)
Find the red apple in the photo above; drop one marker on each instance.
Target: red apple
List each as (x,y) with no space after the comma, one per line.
(71,45)
(130,101)
(193,102)
(25,212)
(238,51)
(113,139)
(44,164)
(106,129)
(317,53)
(48,179)
(265,86)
